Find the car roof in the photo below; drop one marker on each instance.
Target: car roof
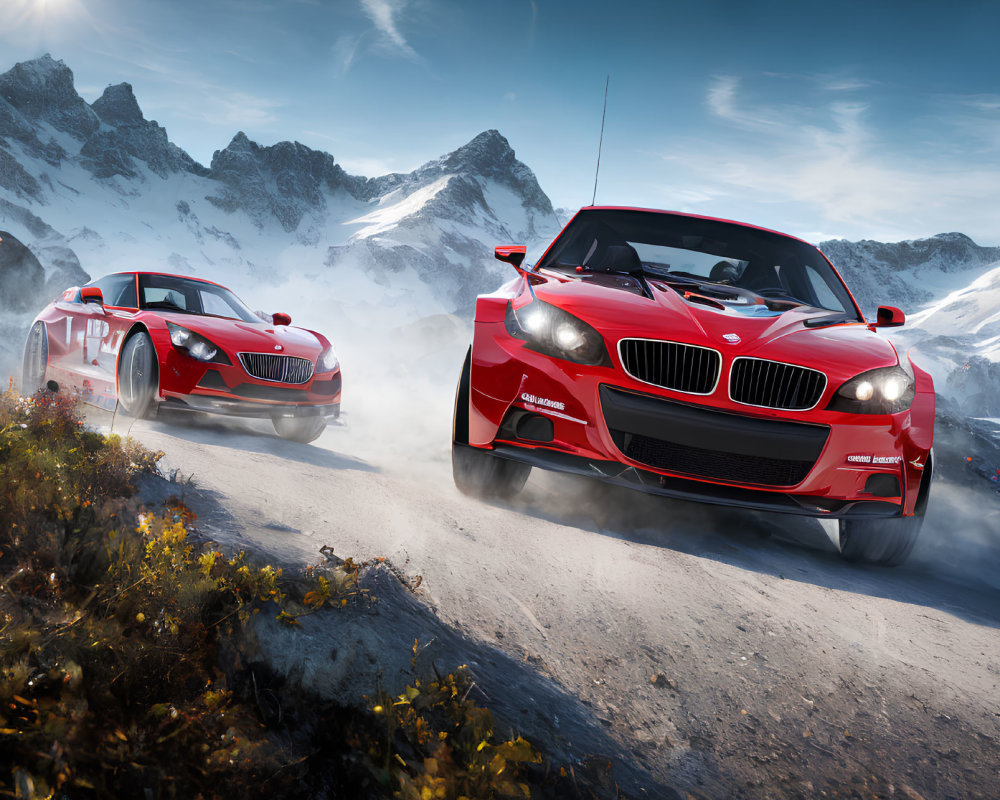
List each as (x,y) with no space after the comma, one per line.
(165,274)
(693,216)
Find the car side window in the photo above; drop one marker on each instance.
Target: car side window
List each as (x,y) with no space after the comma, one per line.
(156,294)
(118,290)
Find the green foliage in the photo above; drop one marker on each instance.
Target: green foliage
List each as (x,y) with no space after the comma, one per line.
(110,631)
(121,670)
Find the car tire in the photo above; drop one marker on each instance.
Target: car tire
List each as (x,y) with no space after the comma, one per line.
(883,542)
(479,473)
(886,542)
(36,359)
(299,429)
(138,381)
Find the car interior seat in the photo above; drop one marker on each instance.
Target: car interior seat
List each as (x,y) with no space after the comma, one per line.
(620,258)
(724,272)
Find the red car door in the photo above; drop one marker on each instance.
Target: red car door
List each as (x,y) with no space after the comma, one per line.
(85,337)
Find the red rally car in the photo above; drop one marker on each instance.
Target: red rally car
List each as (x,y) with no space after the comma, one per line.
(702,359)
(147,339)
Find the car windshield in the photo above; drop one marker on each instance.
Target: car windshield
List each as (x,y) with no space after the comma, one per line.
(724,261)
(189,296)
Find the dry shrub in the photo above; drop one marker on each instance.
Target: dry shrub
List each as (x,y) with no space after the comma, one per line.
(121,673)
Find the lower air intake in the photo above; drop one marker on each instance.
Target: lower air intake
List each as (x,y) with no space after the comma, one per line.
(730,467)
(706,443)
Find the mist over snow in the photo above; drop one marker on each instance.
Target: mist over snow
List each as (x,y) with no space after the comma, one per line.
(92,188)
(95,188)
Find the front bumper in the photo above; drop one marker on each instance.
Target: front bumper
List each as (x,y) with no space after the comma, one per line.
(617,473)
(602,423)
(229,390)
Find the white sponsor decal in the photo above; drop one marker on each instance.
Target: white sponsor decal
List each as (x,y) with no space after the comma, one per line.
(868,458)
(97,328)
(543,401)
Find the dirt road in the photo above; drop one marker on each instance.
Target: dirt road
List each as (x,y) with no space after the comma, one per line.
(725,654)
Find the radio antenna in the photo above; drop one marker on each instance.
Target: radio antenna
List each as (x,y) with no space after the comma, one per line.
(601,143)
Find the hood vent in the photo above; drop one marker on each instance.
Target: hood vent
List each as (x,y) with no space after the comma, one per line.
(672,365)
(772,384)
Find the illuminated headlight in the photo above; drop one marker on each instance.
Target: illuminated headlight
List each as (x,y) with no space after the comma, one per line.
(196,345)
(554,332)
(328,360)
(878,391)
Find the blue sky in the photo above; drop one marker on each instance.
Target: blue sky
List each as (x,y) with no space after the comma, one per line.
(824,119)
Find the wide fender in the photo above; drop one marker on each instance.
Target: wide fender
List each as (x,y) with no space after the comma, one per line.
(919,438)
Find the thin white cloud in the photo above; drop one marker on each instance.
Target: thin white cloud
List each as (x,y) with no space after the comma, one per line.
(345,51)
(367,166)
(384,15)
(239,109)
(830,167)
(845,84)
(722,102)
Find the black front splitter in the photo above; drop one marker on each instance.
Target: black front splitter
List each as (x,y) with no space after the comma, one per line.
(699,491)
(243,408)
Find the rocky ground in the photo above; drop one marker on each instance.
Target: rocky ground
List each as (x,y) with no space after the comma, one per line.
(705,651)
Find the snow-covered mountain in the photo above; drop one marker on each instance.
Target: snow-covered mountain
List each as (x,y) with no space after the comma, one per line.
(96,187)
(89,188)
(909,274)
(949,287)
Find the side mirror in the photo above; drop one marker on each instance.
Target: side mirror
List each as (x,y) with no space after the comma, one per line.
(513,255)
(889,317)
(281,319)
(91,294)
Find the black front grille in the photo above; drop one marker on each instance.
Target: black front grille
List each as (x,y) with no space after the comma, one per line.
(672,365)
(771,384)
(280,369)
(706,443)
(720,466)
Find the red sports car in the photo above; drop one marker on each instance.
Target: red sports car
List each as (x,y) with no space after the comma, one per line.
(146,339)
(702,359)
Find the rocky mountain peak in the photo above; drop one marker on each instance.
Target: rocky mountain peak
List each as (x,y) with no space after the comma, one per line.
(118,106)
(44,75)
(42,89)
(489,154)
(286,180)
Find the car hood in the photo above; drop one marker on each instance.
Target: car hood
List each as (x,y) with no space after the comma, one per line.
(236,336)
(620,311)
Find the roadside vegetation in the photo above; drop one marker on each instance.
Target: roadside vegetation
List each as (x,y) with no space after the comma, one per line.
(122,672)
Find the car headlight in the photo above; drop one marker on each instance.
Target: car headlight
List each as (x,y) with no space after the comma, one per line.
(554,332)
(878,391)
(196,345)
(327,361)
